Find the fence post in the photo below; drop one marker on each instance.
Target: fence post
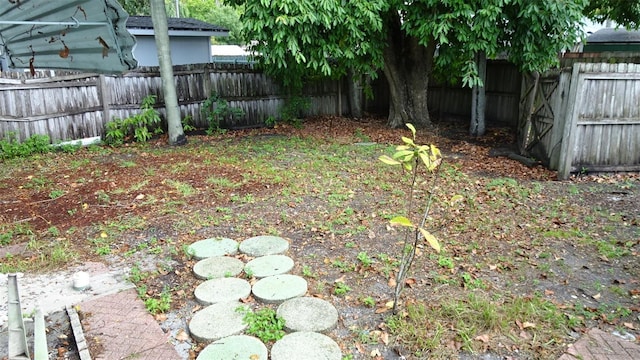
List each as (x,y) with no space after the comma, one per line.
(568,133)
(105,100)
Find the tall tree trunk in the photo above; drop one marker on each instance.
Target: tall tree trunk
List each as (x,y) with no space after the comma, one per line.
(161,30)
(478,98)
(354,89)
(407,67)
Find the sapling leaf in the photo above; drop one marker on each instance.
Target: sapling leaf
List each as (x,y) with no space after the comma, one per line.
(402,221)
(433,242)
(407,154)
(406,140)
(388,160)
(412,128)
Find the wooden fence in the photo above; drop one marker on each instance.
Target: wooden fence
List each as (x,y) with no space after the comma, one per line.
(583,118)
(75,106)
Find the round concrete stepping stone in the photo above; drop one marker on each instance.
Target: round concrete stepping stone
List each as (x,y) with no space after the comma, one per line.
(222,290)
(306,345)
(235,347)
(278,288)
(217,321)
(213,247)
(269,265)
(264,245)
(217,267)
(308,314)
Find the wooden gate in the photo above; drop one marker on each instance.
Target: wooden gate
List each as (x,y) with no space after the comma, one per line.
(541,108)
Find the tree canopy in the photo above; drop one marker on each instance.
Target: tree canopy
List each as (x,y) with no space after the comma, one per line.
(408,40)
(625,13)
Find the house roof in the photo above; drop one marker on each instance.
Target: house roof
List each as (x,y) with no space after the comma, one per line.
(174,24)
(611,35)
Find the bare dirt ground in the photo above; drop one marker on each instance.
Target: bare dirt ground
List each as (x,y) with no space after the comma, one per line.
(518,233)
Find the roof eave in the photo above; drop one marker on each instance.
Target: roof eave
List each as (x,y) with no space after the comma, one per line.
(150,32)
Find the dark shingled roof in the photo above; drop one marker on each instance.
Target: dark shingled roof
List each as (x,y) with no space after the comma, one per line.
(610,35)
(185,24)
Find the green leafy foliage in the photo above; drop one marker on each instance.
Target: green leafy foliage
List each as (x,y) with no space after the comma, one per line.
(217,109)
(218,13)
(264,324)
(303,39)
(10,147)
(624,12)
(140,127)
(293,110)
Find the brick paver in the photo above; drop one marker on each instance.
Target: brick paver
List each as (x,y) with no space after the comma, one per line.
(599,345)
(124,329)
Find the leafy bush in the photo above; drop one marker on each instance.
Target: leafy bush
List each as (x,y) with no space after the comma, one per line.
(216,109)
(36,144)
(141,127)
(293,110)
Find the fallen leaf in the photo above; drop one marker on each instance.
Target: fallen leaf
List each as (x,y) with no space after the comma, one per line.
(182,335)
(392,282)
(375,353)
(596,296)
(384,337)
(410,282)
(360,348)
(548,292)
(526,325)
(140,197)
(629,325)
(484,338)
(340,279)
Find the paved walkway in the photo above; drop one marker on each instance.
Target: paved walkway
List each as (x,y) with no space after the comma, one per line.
(122,327)
(599,345)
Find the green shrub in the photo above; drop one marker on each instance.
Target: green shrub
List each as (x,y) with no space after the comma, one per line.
(11,148)
(141,127)
(216,109)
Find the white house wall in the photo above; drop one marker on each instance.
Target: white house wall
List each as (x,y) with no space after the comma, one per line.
(184,50)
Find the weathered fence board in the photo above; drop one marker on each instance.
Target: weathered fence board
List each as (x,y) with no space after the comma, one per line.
(602,127)
(74,106)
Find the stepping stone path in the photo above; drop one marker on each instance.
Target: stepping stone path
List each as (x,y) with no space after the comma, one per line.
(221,325)
(213,247)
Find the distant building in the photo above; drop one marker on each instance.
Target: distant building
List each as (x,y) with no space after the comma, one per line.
(190,40)
(230,54)
(609,39)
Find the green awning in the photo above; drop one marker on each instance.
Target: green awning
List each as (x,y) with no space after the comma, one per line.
(87,35)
